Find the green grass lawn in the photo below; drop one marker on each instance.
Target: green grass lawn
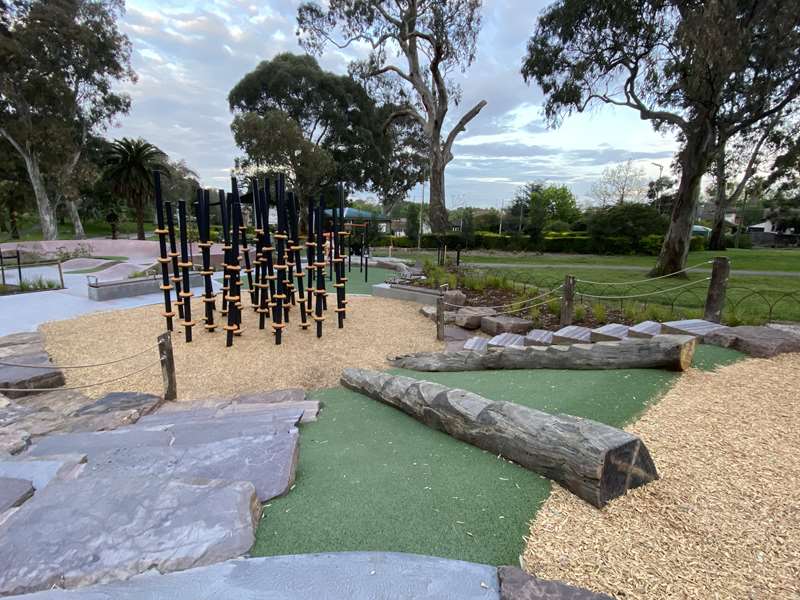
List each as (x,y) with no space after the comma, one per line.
(757,259)
(29,230)
(372,478)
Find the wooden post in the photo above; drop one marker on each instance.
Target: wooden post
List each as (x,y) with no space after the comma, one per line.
(61,275)
(715,301)
(440,318)
(167,366)
(567,301)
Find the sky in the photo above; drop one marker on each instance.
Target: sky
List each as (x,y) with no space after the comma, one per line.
(188,55)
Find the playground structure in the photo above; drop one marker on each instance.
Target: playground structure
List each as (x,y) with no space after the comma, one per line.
(274,274)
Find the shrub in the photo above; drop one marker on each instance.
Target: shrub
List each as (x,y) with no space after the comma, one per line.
(745,241)
(599,312)
(557,226)
(651,244)
(569,243)
(620,229)
(580,312)
(697,243)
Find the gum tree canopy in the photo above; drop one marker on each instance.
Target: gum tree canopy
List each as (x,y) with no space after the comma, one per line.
(708,70)
(59,62)
(430,40)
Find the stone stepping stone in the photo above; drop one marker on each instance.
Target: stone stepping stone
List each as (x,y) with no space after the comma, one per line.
(40,472)
(93,529)
(516,584)
(25,337)
(538,337)
(572,334)
(266,461)
(94,443)
(610,332)
(26,377)
(645,329)
(505,324)
(328,576)
(456,334)
(14,492)
(695,327)
(506,340)
(470,317)
(284,417)
(761,342)
(115,401)
(477,344)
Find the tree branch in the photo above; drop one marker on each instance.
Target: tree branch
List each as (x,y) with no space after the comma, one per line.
(462,124)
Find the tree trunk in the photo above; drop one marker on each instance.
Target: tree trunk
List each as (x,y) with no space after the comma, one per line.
(694,159)
(594,461)
(14,225)
(77,225)
(438,211)
(47,217)
(717,239)
(672,352)
(140,220)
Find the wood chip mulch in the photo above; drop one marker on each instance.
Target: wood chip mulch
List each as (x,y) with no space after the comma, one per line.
(374,329)
(724,519)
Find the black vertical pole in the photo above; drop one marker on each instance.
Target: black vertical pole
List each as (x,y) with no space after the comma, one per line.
(280,266)
(163,259)
(204,229)
(365,253)
(287,284)
(310,255)
(185,264)
(248,269)
(226,250)
(287,204)
(320,269)
(340,234)
(233,267)
(173,252)
(294,233)
(259,242)
(268,249)
(337,267)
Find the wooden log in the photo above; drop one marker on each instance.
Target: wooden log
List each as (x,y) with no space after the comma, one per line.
(671,352)
(594,461)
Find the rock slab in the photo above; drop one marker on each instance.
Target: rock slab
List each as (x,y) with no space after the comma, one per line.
(696,327)
(332,576)
(645,329)
(454,298)
(539,337)
(14,492)
(572,334)
(470,316)
(609,332)
(761,342)
(506,340)
(93,530)
(516,584)
(505,324)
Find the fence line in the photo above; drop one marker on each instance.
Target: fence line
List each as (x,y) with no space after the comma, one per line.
(83,387)
(637,281)
(103,364)
(643,294)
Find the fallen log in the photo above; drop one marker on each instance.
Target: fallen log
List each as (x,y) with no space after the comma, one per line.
(672,352)
(594,461)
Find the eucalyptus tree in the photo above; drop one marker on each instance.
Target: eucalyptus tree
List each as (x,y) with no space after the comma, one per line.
(60,65)
(416,47)
(708,71)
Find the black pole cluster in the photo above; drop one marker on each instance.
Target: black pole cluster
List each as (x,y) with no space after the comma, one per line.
(273,272)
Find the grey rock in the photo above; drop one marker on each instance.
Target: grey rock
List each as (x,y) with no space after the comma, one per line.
(505,324)
(572,334)
(42,471)
(453,346)
(470,317)
(331,576)
(13,441)
(25,378)
(761,342)
(645,329)
(25,337)
(14,492)
(506,340)
(272,397)
(92,444)
(477,344)
(696,327)
(457,334)
(121,401)
(454,298)
(609,332)
(516,584)
(10,353)
(286,415)
(428,311)
(64,402)
(267,461)
(92,530)
(538,337)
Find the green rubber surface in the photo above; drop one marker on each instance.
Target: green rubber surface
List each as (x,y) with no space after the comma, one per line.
(373,478)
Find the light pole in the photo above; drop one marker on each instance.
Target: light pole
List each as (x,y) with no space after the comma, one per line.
(421,207)
(502,204)
(658,186)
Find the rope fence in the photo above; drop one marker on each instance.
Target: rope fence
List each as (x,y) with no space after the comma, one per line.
(85,386)
(89,366)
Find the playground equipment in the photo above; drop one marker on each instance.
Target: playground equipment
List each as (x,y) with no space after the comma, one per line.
(274,275)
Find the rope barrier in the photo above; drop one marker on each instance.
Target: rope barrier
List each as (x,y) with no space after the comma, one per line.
(111,362)
(516,310)
(82,387)
(644,294)
(708,262)
(527,300)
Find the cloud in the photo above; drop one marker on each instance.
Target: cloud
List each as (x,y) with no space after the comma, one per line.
(189,55)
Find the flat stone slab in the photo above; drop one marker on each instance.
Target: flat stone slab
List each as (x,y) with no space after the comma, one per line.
(572,334)
(94,443)
(506,340)
(25,337)
(470,317)
(40,472)
(505,324)
(14,492)
(477,344)
(29,377)
(454,298)
(115,401)
(333,576)
(610,332)
(457,334)
(761,342)
(93,530)
(272,397)
(695,327)
(516,584)
(538,337)
(645,329)
(64,402)
(283,416)
(267,461)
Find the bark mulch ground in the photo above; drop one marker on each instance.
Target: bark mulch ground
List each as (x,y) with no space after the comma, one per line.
(374,329)
(724,519)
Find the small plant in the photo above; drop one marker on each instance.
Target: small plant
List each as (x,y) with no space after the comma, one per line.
(36,284)
(580,312)
(599,312)
(554,306)
(81,250)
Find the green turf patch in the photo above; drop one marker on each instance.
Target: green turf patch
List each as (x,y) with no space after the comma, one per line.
(372,478)
(356,283)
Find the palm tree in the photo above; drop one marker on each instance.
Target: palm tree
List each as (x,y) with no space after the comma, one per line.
(129,170)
